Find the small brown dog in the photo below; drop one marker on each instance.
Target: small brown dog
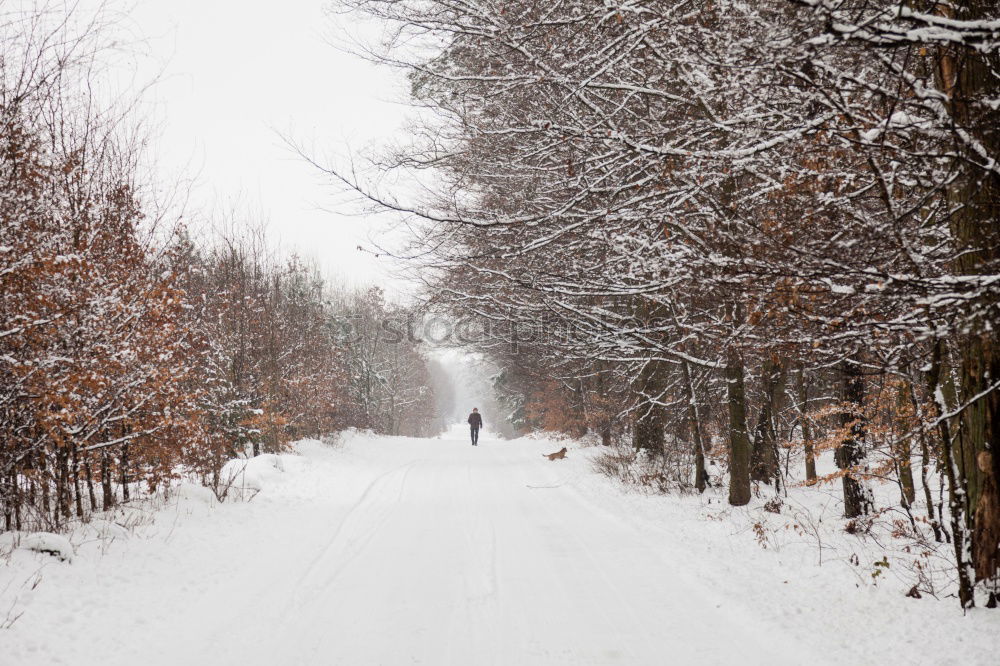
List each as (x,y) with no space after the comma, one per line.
(561,453)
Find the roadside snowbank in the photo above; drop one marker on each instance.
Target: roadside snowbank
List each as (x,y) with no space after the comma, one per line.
(251,475)
(46,543)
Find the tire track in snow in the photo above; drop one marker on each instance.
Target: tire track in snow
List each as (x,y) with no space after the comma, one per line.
(481,602)
(365,520)
(366,517)
(482,549)
(359,525)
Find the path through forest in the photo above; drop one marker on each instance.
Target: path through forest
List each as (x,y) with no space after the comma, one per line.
(449,554)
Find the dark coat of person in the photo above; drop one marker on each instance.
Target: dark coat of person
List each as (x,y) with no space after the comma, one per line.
(475,420)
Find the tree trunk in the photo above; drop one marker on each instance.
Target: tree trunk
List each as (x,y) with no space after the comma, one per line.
(123,463)
(107,490)
(62,485)
(903,456)
(10,495)
(77,491)
(700,473)
(44,482)
(925,462)
(986,536)
(764,455)
(967,76)
(18,499)
(739,443)
(851,454)
(650,417)
(92,496)
(802,389)
(956,489)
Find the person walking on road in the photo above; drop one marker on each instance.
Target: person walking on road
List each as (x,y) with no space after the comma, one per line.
(475,423)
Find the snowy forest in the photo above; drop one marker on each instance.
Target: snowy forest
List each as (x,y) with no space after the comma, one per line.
(757,229)
(129,351)
(731,268)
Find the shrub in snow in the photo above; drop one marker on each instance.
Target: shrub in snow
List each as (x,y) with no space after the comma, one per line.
(332,439)
(51,544)
(249,474)
(195,493)
(658,474)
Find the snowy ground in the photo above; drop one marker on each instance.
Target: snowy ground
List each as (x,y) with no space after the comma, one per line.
(428,551)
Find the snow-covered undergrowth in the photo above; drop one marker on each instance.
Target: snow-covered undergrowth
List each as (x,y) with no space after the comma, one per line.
(890,549)
(799,560)
(394,550)
(239,480)
(244,477)
(28,558)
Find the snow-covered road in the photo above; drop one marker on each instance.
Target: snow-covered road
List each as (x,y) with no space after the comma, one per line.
(460,555)
(398,551)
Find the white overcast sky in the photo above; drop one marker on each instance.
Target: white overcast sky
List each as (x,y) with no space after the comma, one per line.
(232,73)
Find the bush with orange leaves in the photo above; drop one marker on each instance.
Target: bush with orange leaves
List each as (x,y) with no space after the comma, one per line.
(888,423)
